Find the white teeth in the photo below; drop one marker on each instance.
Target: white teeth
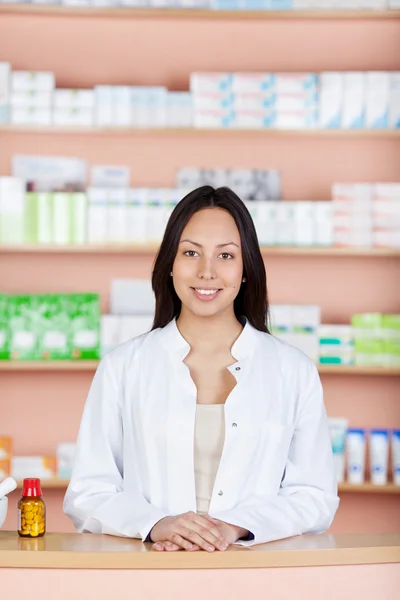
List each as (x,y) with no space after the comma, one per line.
(206,292)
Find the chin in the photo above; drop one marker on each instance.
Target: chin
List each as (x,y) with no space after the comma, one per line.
(206,310)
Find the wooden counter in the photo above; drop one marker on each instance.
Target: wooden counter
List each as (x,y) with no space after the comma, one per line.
(85,566)
(87,551)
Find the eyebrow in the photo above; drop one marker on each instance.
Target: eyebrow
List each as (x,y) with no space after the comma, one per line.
(218,245)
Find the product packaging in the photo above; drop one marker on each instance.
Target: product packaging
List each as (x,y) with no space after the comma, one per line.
(396,456)
(379,455)
(338,430)
(131,297)
(5,75)
(44,467)
(65,455)
(84,313)
(4,330)
(355,449)
(12,211)
(23,327)
(54,327)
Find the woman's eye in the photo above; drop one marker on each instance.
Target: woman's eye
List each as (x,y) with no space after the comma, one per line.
(190,252)
(226,255)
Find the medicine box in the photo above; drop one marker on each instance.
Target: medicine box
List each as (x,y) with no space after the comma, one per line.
(84,312)
(5,83)
(32,81)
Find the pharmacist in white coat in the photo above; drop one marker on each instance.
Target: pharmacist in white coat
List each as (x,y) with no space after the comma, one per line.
(206,431)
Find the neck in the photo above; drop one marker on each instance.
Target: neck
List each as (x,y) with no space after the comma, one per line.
(209,333)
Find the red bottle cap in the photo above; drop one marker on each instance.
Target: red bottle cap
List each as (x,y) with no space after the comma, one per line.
(31,487)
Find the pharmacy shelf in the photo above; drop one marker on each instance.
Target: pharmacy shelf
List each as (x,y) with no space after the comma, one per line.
(193,131)
(369,488)
(198,14)
(91,365)
(54,365)
(50,483)
(151,249)
(365,488)
(356,370)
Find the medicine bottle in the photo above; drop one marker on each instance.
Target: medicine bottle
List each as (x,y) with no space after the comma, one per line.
(31,510)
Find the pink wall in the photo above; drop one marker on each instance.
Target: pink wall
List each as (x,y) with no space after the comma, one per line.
(346,582)
(40,409)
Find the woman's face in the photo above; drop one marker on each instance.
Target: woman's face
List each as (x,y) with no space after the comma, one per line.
(208,267)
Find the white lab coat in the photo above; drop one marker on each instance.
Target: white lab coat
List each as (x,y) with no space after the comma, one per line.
(134,460)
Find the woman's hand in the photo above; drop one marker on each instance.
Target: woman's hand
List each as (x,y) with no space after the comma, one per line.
(231,533)
(189,531)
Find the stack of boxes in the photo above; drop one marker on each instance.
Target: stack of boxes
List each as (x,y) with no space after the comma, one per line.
(359,100)
(352,214)
(132,306)
(5,77)
(32,97)
(281,100)
(142,107)
(255,100)
(12,210)
(73,108)
(366,215)
(5,456)
(386,215)
(377,339)
(336,345)
(297,325)
(50,326)
(248,184)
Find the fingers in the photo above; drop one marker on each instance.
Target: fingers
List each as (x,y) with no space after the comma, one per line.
(209,532)
(182,541)
(161,546)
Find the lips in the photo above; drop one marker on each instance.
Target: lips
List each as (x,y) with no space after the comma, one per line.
(206,297)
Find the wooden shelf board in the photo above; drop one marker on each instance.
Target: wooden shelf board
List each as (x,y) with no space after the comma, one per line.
(193,131)
(151,249)
(54,365)
(91,365)
(162,13)
(365,488)
(369,488)
(50,483)
(357,370)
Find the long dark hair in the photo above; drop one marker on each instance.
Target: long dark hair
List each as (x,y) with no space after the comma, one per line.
(252,299)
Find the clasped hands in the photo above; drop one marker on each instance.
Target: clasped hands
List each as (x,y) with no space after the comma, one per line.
(192,531)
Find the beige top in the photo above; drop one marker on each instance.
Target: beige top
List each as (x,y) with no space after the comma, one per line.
(208,443)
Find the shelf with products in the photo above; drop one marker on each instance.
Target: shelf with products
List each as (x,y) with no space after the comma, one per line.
(151,249)
(366,488)
(198,131)
(91,365)
(193,13)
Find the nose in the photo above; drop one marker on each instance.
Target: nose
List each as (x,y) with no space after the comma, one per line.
(206,269)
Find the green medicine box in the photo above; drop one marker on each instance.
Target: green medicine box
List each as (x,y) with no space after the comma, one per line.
(24,327)
(84,313)
(4,333)
(54,330)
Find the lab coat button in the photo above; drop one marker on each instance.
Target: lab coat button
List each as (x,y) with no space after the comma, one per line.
(234,424)
(220,493)
(237,368)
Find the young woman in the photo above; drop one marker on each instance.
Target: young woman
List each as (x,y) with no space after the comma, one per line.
(206,431)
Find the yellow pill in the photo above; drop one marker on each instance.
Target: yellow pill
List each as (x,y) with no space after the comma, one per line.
(22,522)
(35,509)
(37,518)
(25,532)
(34,533)
(29,515)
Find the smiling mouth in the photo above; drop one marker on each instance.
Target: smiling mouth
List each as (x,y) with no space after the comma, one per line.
(207,292)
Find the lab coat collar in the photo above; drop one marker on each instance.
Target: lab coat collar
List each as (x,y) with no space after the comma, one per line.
(243,347)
